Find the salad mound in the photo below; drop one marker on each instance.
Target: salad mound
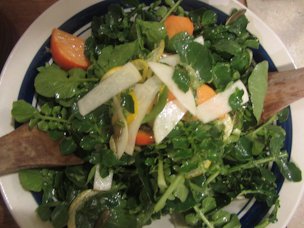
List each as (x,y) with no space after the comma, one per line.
(164,106)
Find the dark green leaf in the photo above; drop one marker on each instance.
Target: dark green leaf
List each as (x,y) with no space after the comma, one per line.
(222,75)
(112,56)
(23,111)
(89,142)
(181,78)
(158,107)
(31,180)
(228,46)
(208,204)
(68,146)
(77,174)
(283,115)
(199,58)
(127,102)
(60,216)
(289,170)
(152,32)
(209,17)
(236,99)
(233,223)
(220,217)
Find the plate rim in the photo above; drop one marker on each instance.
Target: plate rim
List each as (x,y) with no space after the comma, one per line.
(282,64)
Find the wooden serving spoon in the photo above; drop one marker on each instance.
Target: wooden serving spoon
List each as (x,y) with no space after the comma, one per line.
(284,88)
(31,148)
(25,148)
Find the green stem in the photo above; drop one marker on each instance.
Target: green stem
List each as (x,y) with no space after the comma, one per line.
(270,121)
(203,217)
(252,164)
(212,177)
(171,10)
(161,181)
(162,201)
(54,119)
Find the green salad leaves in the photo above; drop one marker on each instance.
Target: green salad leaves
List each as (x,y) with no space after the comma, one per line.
(199,168)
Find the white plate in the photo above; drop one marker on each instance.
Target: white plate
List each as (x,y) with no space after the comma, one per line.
(16,81)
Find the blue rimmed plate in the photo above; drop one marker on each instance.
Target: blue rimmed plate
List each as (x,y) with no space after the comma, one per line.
(74,16)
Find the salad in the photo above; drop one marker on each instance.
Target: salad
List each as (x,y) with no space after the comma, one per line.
(164,107)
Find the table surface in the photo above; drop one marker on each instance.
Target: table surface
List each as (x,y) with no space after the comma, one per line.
(17,15)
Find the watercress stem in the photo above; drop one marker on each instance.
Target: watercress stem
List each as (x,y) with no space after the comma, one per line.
(171,10)
(53,119)
(162,201)
(252,164)
(203,217)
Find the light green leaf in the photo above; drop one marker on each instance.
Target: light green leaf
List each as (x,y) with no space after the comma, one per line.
(257,85)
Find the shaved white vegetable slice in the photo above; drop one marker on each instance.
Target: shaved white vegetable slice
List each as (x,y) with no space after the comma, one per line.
(167,119)
(171,60)
(120,135)
(165,74)
(122,79)
(145,94)
(219,104)
(102,183)
(200,40)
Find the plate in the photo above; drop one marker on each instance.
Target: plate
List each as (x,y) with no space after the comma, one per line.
(74,16)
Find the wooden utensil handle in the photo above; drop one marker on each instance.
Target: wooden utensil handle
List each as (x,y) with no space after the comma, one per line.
(28,148)
(284,88)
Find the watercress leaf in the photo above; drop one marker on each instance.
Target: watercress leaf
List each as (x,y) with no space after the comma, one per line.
(228,46)
(209,17)
(222,75)
(23,111)
(235,99)
(112,56)
(181,78)
(233,223)
(55,134)
(44,210)
(283,115)
(199,58)
(152,32)
(239,25)
(289,170)
(68,146)
(126,101)
(220,217)
(177,41)
(208,204)
(77,175)
(192,219)
(242,150)
(158,107)
(241,61)
(59,217)
(77,73)
(257,86)
(33,123)
(54,82)
(31,180)
(89,142)
(43,125)
(82,125)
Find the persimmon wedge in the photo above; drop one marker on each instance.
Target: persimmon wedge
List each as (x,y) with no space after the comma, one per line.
(144,138)
(176,24)
(68,50)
